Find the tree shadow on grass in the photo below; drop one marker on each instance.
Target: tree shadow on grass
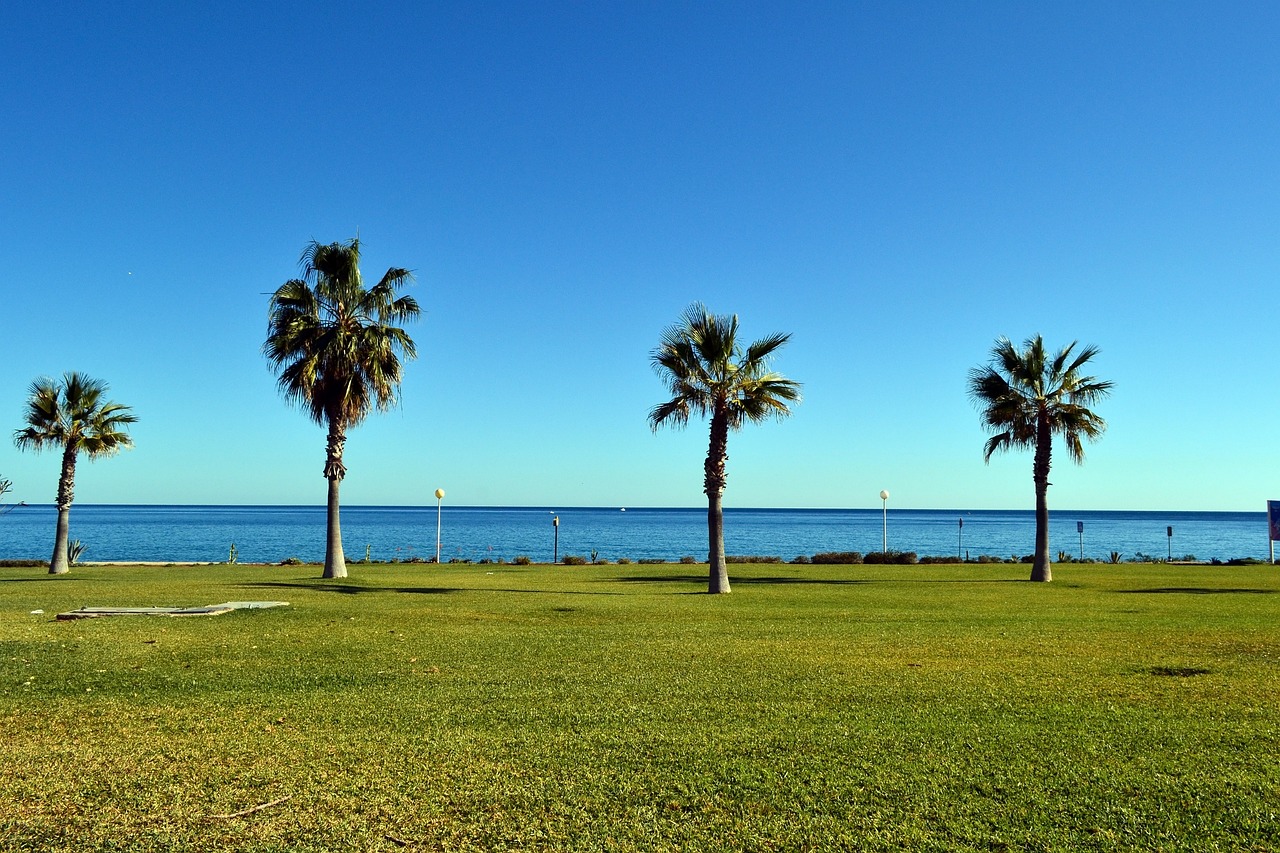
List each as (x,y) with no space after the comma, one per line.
(345,589)
(1199,590)
(740,581)
(736,581)
(954,580)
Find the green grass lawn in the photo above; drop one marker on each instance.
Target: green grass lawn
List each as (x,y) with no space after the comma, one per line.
(1130,707)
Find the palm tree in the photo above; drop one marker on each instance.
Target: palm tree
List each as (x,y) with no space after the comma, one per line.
(336,351)
(73,416)
(1026,398)
(708,373)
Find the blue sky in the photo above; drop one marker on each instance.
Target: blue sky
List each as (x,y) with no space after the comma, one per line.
(896,184)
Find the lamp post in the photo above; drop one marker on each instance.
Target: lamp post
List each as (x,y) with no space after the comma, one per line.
(555,539)
(884,496)
(960,538)
(439,498)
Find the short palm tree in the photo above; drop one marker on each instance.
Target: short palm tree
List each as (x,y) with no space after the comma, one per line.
(337,350)
(708,373)
(1025,398)
(72,415)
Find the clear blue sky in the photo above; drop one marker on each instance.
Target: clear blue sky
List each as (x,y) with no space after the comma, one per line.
(896,184)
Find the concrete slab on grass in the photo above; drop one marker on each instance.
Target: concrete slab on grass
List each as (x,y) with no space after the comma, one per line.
(207,610)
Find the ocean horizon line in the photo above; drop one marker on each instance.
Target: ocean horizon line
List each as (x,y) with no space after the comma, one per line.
(552,508)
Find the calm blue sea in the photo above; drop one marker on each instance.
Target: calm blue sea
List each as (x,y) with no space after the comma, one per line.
(273,533)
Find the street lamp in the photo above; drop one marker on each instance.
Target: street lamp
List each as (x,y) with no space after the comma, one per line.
(884,496)
(439,498)
(555,527)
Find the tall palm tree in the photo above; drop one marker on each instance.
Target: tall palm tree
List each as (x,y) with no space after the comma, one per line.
(1026,397)
(708,373)
(73,416)
(337,353)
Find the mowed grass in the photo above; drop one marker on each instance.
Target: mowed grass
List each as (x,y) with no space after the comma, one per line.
(618,708)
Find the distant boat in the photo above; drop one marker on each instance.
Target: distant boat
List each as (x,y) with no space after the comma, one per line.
(623,509)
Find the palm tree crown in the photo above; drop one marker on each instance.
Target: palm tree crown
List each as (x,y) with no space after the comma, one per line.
(334,343)
(707,373)
(1021,391)
(72,415)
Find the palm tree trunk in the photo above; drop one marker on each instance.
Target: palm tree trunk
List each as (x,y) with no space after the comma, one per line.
(713,485)
(1041,569)
(335,562)
(59,564)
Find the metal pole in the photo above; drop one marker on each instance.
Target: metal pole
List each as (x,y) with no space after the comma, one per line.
(439,498)
(960,540)
(555,526)
(884,543)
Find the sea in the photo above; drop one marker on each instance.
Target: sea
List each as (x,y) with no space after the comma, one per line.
(270,534)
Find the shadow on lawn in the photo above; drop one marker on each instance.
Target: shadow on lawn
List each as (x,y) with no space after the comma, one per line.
(735,581)
(46,576)
(1200,590)
(344,589)
(356,590)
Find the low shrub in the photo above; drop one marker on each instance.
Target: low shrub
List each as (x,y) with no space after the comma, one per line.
(934,560)
(884,558)
(522,560)
(837,558)
(800,560)
(987,558)
(689,561)
(1246,561)
(751,559)
(23,564)
(292,561)
(574,560)
(650,561)
(462,560)
(624,561)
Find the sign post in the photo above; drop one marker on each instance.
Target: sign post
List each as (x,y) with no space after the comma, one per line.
(1080,531)
(1169,530)
(1273,526)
